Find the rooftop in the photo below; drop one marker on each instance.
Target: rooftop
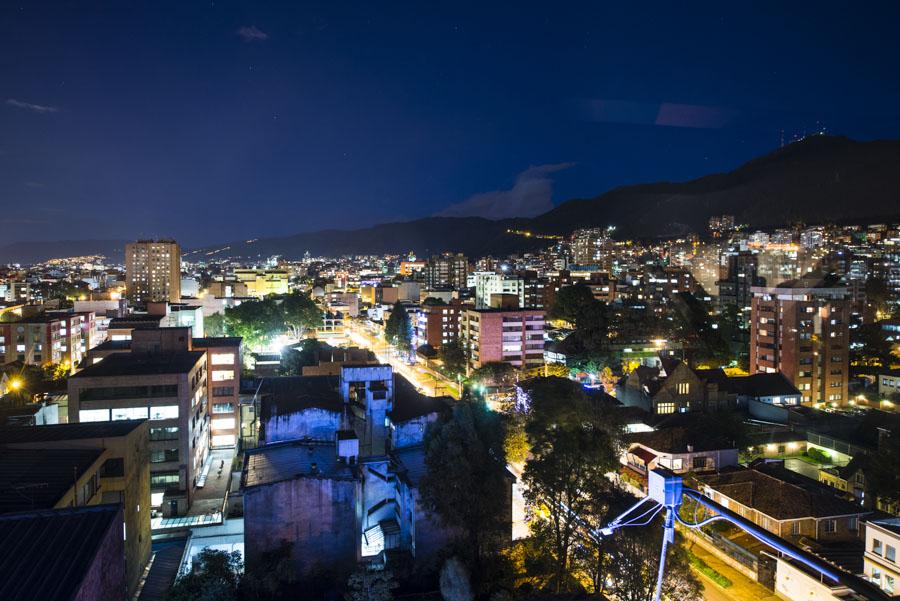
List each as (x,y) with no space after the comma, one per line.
(217,341)
(290,394)
(57,432)
(762,384)
(38,478)
(142,364)
(772,494)
(49,552)
(409,403)
(294,459)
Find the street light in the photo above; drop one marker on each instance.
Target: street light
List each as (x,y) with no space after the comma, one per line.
(15,384)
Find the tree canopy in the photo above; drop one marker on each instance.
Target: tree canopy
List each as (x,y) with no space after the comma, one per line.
(466,484)
(398,329)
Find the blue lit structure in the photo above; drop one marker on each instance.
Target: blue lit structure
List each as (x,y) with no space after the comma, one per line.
(666,491)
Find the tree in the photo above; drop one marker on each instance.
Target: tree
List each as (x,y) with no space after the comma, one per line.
(466,484)
(371,583)
(257,322)
(214,325)
(398,330)
(453,356)
(300,314)
(570,303)
(494,373)
(214,576)
(294,359)
(882,475)
(272,577)
(574,444)
(635,553)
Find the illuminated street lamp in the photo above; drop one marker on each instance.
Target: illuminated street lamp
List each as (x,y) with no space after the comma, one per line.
(15,384)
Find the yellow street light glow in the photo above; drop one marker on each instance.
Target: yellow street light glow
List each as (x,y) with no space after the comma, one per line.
(15,384)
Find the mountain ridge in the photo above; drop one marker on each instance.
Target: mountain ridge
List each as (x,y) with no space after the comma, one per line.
(820,179)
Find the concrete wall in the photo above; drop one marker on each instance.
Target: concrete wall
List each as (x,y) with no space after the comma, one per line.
(411,432)
(105,579)
(317,514)
(316,424)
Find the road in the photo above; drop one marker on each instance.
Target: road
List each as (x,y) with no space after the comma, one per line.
(428,381)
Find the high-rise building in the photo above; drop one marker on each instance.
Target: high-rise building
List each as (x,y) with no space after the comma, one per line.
(587,245)
(446,270)
(739,279)
(153,271)
(799,328)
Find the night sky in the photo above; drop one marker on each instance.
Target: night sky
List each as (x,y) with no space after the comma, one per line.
(219,121)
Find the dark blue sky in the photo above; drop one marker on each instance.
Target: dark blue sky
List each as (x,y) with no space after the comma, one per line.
(220,121)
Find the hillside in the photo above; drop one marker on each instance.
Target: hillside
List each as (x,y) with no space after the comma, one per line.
(817,180)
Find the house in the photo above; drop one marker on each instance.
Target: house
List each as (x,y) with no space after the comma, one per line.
(784,503)
(882,556)
(767,396)
(851,480)
(673,387)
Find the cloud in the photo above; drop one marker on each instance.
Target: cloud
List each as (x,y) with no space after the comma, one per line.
(252,34)
(531,195)
(34,108)
(665,114)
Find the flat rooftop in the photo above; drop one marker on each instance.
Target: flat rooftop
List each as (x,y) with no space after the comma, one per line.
(217,341)
(37,478)
(295,459)
(58,432)
(142,364)
(46,554)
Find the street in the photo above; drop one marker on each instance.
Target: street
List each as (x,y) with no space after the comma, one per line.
(428,381)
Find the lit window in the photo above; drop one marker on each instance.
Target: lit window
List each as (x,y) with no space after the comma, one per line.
(223,359)
(222,375)
(93,415)
(164,412)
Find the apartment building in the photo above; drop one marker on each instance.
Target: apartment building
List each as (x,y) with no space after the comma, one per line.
(223,366)
(436,325)
(511,336)
(153,271)
(61,338)
(882,557)
(446,271)
(800,328)
(168,386)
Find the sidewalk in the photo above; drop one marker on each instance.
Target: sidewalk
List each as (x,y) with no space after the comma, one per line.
(742,588)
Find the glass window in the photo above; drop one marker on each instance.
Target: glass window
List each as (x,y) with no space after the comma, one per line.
(129,413)
(223,423)
(163,455)
(169,433)
(222,375)
(829,526)
(93,415)
(164,412)
(164,479)
(223,359)
(223,407)
(876,546)
(890,553)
